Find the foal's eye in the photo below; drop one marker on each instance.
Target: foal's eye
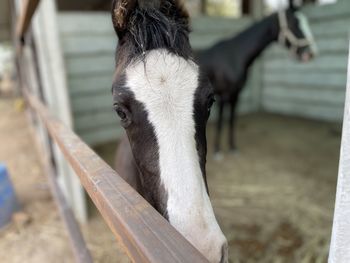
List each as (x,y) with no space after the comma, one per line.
(124,115)
(120,111)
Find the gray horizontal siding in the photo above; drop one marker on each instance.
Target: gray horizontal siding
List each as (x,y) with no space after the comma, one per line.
(315,89)
(89,42)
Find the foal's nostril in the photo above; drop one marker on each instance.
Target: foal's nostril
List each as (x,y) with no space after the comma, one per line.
(224,255)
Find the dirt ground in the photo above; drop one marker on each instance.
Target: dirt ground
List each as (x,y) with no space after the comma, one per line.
(274,199)
(41,237)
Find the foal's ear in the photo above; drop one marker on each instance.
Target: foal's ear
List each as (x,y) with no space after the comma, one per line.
(121,10)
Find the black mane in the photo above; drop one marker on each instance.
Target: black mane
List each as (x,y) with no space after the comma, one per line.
(150,29)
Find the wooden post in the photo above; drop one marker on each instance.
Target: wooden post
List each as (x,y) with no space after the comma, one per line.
(257,12)
(340,244)
(25,18)
(145,234)
(56,94)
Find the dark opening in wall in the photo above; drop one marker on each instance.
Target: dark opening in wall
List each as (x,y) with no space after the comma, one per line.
(84,5)
(246,7)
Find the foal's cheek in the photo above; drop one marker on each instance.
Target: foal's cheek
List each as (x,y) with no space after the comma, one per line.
(144,149)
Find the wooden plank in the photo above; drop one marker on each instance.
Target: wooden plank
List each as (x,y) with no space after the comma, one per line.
(244,107)
(4,35)
(209,30)
(204,41)
(207,24)
(91,64)
(102,136)
(332,63)
(206,31)
(55,92)
(332,81)
(90,85)
(146,235)
(327,12)
(80,250)
(89,104)
(334,44)
(76,44)
(5,17)
(90,67)
(303,94)
(31,80)
(340,243)
(306,110)
(326,45)
(5,27)
(255,80)
(100,119)
(25,17)
(332,27)
(72,22)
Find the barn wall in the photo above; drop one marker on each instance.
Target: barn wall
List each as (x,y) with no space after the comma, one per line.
(316,89)
(5,20)
(88,42)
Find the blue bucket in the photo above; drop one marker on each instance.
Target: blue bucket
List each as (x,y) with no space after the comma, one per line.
(8,201)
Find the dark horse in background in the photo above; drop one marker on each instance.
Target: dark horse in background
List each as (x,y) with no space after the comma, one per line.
(227,63)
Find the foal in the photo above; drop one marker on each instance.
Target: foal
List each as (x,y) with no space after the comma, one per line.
(163,101)
(227,63)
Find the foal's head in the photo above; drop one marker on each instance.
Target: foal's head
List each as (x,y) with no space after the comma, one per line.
(164,101)
(295,33)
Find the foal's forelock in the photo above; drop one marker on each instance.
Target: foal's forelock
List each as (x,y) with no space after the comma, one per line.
(150,29)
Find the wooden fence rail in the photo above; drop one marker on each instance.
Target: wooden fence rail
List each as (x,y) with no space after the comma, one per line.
(80,250)
(340,244)
(24,20)
(145,234)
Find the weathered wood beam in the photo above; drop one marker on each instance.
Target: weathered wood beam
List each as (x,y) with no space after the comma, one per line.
(25,17)
(340,244)
(145,234)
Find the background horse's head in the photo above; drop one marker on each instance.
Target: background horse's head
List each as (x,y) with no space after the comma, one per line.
(295,33)
(164,101)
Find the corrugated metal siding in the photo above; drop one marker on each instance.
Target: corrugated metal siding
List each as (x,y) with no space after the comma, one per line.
(315,89)
(88,42)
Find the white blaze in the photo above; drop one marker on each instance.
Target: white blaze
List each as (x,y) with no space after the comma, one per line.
(166,85)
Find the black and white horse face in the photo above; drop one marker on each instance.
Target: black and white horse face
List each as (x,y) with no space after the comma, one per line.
(298,36)
(164,102)
(164,105)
